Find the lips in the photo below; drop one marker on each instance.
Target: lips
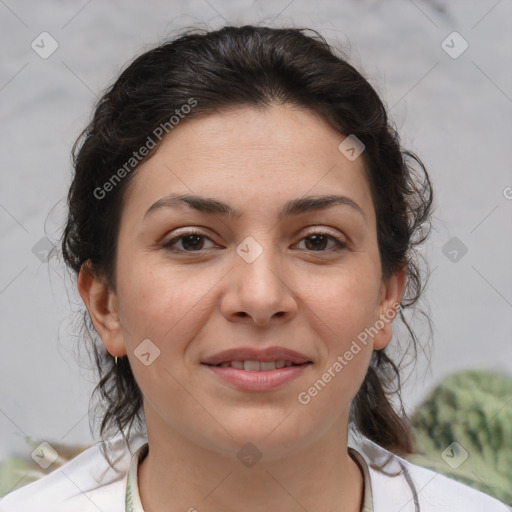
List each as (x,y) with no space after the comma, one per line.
(256,380)
(248,355)
(257,366)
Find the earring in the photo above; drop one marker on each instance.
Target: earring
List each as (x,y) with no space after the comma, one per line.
(115,360)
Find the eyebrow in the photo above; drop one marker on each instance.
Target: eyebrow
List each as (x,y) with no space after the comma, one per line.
(291,208)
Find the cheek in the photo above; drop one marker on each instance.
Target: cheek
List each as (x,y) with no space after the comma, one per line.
(346,300)
(342,321)
(149,285)
(345,309)
(165,303)
(152,299)
(158,310)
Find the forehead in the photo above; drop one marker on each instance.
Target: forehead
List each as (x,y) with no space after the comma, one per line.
(248,156)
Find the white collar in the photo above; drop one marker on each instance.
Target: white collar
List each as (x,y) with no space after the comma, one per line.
(133,501)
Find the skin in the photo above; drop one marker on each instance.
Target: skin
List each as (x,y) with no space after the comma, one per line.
(194,304)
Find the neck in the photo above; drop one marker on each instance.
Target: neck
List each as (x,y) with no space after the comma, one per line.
(178,474)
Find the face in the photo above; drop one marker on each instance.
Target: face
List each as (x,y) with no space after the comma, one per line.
(193,283)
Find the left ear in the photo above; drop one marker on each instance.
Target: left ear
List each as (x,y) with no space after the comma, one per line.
(390,297)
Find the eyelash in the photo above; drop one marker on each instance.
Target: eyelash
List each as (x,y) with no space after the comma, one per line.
(169,244)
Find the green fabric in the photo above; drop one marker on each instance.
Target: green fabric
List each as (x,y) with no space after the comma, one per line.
(474,409)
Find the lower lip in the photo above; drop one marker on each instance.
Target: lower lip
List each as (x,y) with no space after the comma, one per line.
(264,380)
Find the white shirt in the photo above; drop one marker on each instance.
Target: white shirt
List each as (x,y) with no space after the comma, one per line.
(88,484)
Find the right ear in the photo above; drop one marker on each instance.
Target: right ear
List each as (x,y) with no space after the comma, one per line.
(101,301)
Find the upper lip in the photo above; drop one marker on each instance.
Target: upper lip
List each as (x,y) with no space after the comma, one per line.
(251,354)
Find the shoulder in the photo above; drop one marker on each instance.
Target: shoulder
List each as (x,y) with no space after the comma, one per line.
(84,483)
(409,488)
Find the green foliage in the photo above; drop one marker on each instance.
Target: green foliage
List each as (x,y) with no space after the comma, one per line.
(474,409)
(17,472)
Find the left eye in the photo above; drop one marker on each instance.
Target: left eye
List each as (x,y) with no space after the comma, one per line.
(194,242)
(318,241)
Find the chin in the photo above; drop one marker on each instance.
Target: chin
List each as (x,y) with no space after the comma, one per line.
(272,436)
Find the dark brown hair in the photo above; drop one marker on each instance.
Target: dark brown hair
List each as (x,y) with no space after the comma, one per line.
(245,66)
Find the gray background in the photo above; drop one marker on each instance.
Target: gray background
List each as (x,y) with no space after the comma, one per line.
(454,112)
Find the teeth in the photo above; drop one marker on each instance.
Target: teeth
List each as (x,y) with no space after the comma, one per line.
(256,366)
(252,366)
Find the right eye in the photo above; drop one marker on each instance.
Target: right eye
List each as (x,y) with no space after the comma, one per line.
(191,241)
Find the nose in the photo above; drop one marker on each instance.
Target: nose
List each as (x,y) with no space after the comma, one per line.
(259,291)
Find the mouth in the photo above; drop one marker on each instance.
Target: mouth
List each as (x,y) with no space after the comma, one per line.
(258,366)
(257,376)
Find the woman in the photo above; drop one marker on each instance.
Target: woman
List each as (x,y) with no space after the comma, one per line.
(242,224)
